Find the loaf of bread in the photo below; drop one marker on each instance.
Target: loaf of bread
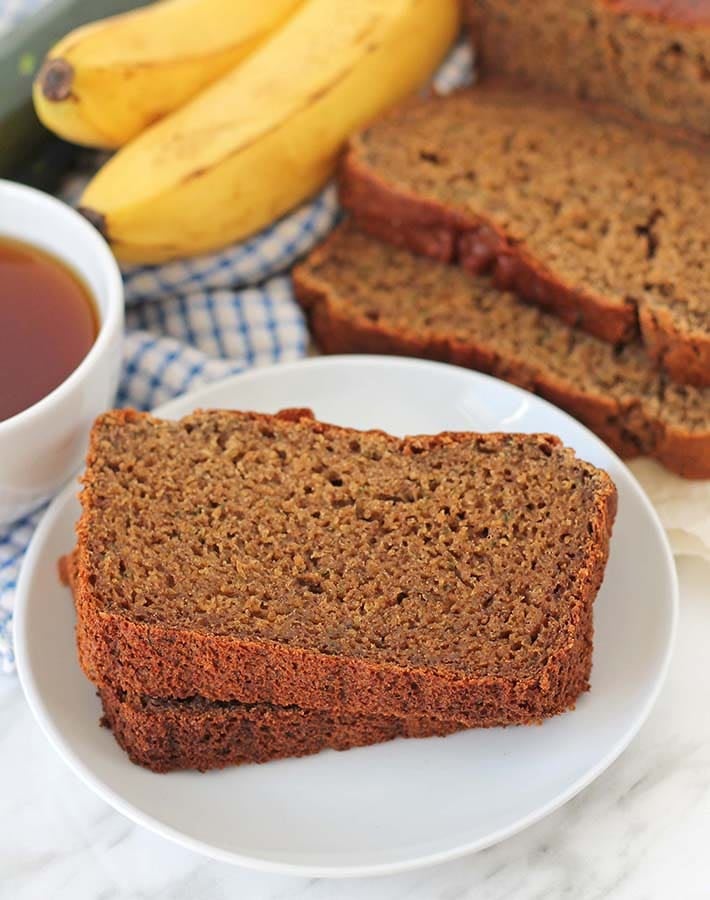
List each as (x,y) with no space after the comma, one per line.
(600,221)
(275,559)
(365,296)
(164,735)
(651,56)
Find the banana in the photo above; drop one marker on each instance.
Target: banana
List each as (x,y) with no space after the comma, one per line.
(106,82)
(267,135)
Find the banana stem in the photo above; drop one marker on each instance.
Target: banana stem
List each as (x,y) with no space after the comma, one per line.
(56,78)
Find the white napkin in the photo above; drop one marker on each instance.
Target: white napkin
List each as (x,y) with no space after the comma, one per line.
(683,507)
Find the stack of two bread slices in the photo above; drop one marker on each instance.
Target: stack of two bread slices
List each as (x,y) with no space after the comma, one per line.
(566,247)
(250,587)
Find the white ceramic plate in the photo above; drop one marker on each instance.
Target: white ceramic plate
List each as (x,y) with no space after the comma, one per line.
(407,803)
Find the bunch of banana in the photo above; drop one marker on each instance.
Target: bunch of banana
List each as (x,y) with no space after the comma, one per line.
(105,83)
(266,135)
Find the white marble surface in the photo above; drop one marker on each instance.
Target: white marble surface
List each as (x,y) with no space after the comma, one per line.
(641,832)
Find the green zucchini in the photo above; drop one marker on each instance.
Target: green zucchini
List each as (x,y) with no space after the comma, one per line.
(22,51)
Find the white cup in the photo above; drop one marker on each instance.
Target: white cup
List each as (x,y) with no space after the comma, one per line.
(44,445)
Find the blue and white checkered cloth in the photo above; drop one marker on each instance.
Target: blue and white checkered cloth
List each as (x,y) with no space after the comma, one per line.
(196,320)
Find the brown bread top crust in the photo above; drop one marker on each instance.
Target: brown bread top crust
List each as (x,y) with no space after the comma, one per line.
(362,295)
(602,223)
(693,13)
(649,56)
(239,556)
(165,735)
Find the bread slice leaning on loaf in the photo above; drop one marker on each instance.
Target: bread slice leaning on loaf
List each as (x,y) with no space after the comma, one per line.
(362,295)
(276,559)
(597,219)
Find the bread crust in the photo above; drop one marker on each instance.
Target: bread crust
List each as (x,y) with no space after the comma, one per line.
(687,361)
(399,216)
(692,14)
(626,428)
(688,13)
(165,736)
(147,658)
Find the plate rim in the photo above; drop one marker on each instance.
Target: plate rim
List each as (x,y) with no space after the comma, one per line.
(111,796)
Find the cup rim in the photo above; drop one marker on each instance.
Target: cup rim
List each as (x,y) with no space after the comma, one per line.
(109,323)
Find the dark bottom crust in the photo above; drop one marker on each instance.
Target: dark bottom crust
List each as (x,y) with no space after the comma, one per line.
(165,735)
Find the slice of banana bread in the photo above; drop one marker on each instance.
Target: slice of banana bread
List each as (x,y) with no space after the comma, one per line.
(601,221)
(195,733)
(365,296)
(164,735)
(651,56)
(276,559)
